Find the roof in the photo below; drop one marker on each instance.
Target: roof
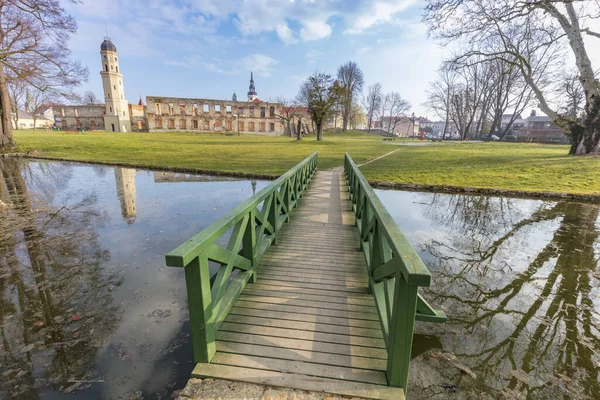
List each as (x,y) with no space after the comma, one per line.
(257,100)
(539,118)
(27,115)
(108,45)
(141,102)
(510,116)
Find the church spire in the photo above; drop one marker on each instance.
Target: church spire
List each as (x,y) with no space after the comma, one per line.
(252,90)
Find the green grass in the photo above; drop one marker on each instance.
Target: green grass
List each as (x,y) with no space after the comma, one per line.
(246,153)
(508,166)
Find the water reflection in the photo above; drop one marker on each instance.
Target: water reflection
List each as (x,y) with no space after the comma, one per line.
(86,304)
(520,282)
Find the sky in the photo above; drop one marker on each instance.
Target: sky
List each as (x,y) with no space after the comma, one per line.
(207,48)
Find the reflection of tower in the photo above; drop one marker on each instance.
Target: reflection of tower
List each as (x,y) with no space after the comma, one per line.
(253,187)
(125,178)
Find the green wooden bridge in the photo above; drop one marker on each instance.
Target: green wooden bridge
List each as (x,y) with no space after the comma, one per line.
(309,284)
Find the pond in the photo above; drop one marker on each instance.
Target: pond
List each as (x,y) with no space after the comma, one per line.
(89,310)
(520,282)
(87,305)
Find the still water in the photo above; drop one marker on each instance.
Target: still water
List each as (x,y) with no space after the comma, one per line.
(88,309)
(520,282)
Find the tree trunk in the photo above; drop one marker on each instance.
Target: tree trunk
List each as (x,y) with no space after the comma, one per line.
(6,137)
(299,132)
(345,115)
(319,131)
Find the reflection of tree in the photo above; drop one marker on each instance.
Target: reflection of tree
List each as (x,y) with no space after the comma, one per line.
(536,319)
(55,300)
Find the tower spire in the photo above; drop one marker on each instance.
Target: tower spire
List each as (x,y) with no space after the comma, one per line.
(252,90)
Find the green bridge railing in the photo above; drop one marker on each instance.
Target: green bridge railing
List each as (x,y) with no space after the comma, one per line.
(395,274)
(253,232)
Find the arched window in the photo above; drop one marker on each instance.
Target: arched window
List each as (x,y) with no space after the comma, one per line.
(117,69)
(115,86)
(109,95)
(115,59)
(111,68)
(123,113)
(106,67)
(104,57)
(110,109)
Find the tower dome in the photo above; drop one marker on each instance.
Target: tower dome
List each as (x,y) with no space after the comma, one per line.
(108,45)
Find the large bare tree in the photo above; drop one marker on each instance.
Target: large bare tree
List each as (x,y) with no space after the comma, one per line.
(529,31)
(319,93)
(373,103)
(287,112)
(351,80)
(35,35)
(89,98)
(440,95)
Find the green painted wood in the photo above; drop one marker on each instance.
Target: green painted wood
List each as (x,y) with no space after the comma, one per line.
(200,305)
(401,333)
(253,231)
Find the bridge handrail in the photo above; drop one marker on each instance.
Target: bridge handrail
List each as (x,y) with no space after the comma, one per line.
(253,232)
(395,274)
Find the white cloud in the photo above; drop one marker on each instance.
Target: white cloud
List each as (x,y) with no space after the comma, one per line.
(315,30)
(259,63)
(378,12)
(286,35)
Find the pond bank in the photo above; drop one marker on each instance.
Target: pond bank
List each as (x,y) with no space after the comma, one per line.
(587,198)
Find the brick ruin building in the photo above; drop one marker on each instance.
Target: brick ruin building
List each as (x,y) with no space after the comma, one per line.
(167,113)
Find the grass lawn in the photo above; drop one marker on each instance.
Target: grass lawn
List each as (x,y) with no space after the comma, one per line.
(246,153)
(508,166)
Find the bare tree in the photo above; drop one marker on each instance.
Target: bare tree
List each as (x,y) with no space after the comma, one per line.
(16,90)
(393,110)
(440,95)
(35,35)
(525,32)
(373,103)
(351,80)
(573,96)
(287,112)
(37,99)
(357,116)
(320,92)
(89,98)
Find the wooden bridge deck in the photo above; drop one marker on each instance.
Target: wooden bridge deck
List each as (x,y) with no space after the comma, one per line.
(308,322)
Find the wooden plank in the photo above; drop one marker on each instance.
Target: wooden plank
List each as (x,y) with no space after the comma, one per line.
(339,360)
(298,381)
(322,347)
(301,367)
(312,318)
(350,267)
(329,282)
(305,326)
(308,268)
(304,335)
(315,274)
(253,291)
(281,286)
(309,303)
(296,284)
(306,310)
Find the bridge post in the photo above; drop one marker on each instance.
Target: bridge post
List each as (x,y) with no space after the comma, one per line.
(197,280)
(401,332)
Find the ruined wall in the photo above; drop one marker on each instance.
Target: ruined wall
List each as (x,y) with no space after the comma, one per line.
(79,117)
(204,115)
(139,122)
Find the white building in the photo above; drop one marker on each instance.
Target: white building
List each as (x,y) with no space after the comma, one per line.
(116,113)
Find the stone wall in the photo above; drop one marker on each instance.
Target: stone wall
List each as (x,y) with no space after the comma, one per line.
(204,115)
(79,117)
(139,122)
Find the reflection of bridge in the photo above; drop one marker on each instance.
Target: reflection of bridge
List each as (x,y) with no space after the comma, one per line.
(330,308)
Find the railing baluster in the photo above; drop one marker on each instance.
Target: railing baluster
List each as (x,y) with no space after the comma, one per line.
(197,280)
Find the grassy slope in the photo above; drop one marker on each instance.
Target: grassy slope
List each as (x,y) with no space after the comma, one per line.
(246,153)
(511,166)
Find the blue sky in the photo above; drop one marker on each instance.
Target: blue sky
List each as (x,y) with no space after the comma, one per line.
(206,48)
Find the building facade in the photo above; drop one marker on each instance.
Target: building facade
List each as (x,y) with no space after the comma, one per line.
(70,117)
(206,115)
